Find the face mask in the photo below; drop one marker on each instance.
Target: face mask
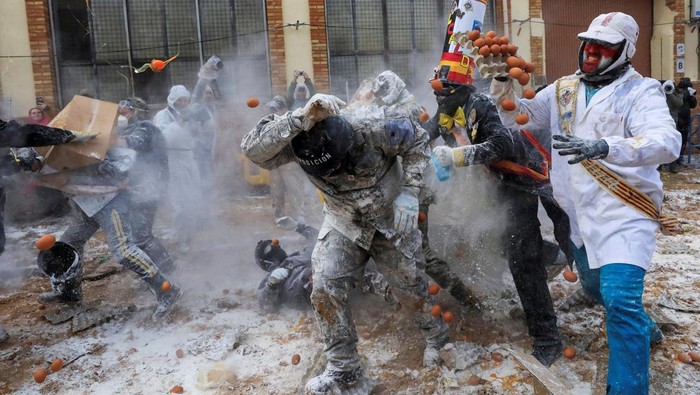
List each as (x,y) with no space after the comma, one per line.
(122,121)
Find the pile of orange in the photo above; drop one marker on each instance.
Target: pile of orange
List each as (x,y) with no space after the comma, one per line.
(491,44)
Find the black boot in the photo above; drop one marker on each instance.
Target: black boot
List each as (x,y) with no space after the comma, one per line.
(547,354)
(674,167)
(167,298)
(69,292)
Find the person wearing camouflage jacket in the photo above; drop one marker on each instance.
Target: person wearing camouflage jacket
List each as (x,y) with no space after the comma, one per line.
(371,209)
(389,90)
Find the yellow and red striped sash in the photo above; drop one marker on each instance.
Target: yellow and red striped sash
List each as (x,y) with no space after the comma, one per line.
(567,90)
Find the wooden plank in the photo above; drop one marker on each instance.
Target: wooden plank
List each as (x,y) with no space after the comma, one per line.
(546,382)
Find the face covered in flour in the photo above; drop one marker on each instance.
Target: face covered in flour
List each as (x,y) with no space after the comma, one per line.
(387,87)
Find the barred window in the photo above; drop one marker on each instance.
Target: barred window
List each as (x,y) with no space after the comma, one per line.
(366,37)
(96,40)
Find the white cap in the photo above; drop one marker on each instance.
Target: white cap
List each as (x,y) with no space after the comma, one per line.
(613,28)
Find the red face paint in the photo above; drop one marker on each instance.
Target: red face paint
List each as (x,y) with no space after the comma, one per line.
(597,56)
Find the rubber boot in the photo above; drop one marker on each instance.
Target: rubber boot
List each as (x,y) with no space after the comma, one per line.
(332,382)
(167,299)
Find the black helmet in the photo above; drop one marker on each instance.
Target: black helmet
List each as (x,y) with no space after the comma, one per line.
(269,256)
(322,149)
(684,83)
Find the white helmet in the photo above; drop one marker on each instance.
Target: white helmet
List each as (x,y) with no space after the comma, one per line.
(613,28)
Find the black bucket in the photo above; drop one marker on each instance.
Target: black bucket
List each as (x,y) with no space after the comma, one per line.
(58,260)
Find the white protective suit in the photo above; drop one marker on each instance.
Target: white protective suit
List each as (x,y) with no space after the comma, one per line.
(631,115)
(184,188)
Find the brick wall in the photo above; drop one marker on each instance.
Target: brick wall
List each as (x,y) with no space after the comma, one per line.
(537,43)
(319,44)
(42,51)
(678,30)
(275,37)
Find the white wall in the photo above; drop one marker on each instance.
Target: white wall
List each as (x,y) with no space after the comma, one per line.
(297,42)
(16,76)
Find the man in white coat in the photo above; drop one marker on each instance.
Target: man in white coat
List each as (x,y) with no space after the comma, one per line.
(177,121)
(617,125)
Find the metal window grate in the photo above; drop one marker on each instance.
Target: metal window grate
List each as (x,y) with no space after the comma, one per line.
(368,36)
(93,45)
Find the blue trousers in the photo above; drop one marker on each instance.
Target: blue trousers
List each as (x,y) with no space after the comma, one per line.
(619,287)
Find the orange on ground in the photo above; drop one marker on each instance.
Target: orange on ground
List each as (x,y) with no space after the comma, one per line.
(424,117)
(296,358)
(40,375)
(570,276)
(683,357)
(177,390)
(45,242)
(508,105)
(253,102)
(56,365)
(436,84)
(422,217)
(529,93)
(436,311)
(275,242)
(165,287)
(569,352)
(521,119)
(448,317)
(433,289)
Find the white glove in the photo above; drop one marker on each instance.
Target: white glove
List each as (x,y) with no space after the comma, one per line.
(277,276)
(668,87)
(81,137)
(406,211)
(318,108)
(443,156)
(286,223)
(692,91)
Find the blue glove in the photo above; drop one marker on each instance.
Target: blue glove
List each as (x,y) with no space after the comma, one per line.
(582,148)
(406,210)
(441,158)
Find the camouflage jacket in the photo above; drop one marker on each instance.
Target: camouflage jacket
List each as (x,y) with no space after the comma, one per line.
(359,196)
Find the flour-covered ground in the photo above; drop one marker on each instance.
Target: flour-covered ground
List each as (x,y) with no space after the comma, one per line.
(229,347)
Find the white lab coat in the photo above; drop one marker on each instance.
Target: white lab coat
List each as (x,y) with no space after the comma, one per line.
(631,115)
(185,190)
